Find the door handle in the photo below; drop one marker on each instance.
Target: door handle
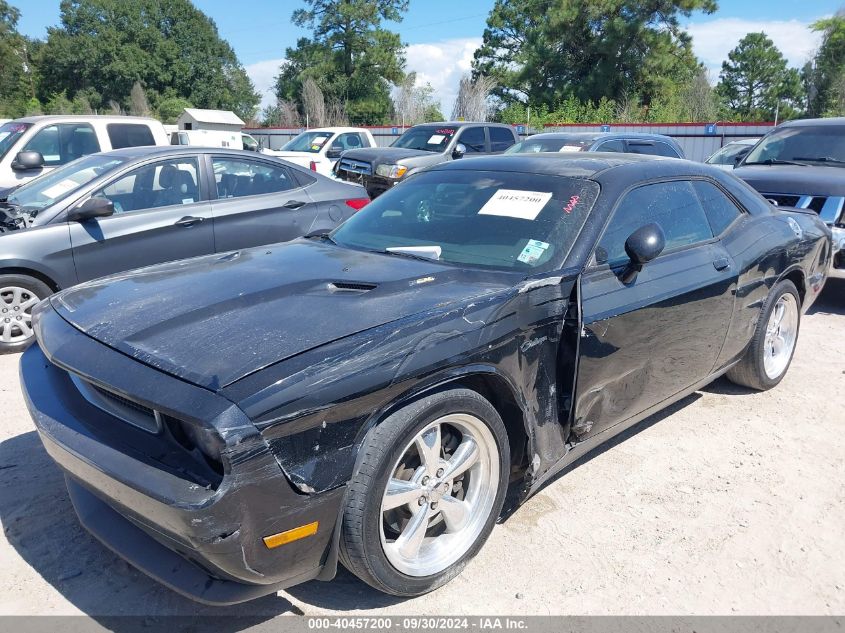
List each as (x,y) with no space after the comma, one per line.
(188,220)
(293,204)
(722,263)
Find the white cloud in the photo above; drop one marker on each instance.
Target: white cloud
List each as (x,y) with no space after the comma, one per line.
(713,40)
(263,75)
(442,64)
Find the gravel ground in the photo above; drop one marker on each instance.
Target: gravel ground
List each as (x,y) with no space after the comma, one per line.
(731,502)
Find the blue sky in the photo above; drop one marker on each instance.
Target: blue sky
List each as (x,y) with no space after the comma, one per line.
(442,34)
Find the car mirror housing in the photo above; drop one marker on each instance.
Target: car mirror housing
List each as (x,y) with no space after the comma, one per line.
(459,151)
(333,153)
(28,160)
(96,207)
(642,246)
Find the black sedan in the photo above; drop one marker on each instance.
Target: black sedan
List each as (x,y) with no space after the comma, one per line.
(478,327)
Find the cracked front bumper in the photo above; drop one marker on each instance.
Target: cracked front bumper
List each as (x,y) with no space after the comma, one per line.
(205,542)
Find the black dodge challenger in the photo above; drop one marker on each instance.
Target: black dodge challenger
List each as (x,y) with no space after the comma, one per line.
(238,423)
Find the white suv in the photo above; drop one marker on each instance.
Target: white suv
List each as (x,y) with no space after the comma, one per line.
(32,146)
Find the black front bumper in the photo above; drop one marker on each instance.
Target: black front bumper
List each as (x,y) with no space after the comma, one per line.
(204,541)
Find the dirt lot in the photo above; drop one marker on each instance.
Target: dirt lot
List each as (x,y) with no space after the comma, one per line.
(731,502)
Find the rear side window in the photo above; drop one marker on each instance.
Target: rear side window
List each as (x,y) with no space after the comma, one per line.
(614,145)
(674,206)
(473,139)
(652,148)
(237,178)
(500,139)
(64,142)
(721,211)
(129,135)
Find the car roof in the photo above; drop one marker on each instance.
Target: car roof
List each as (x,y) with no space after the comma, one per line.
(587,136)
(59,118)
(336,129)
(464,123)
(165,150)
(582,165)
(814,122)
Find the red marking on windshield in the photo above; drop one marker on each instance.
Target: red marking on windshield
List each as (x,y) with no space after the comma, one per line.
(572,202)
(445,131)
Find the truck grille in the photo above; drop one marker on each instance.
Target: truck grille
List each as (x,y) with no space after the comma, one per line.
(829,208)
(356,166)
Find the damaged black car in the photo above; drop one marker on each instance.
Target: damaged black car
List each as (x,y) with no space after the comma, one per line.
(239,423)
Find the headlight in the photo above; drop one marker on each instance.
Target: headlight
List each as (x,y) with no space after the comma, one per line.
(391,171)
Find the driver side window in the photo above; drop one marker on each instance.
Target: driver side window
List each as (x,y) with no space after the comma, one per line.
(473,139)
(163,184)
(674,206)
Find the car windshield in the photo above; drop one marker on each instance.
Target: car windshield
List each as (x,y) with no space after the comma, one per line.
(430,138)
(311,142)
(9,134)
(60,183)
(557,144)
(805,144)
(728,154)
(487,219)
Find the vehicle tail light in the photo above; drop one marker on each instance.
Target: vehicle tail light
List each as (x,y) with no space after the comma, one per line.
(358,203)
(313,166)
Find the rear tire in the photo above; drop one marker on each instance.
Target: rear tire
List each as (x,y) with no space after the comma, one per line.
(770,353)
(18,295)
(429,487)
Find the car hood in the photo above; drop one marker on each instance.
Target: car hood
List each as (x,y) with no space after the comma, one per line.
(386,155)
(213,320)
(794,179)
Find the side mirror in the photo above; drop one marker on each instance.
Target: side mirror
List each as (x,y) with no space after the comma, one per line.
(333,153)
(92,208)
(642,246)
(28,160)
(459,151)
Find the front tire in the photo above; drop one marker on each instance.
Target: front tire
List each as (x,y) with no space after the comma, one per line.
(430,484)
(770,353)
(18,295)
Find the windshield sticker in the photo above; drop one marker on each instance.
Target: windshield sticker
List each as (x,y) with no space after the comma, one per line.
(445,131)
(187,201)
(436,139)
(570,148)
(319,140)
(60,188)
(512,203)
(572,202)
(532,252)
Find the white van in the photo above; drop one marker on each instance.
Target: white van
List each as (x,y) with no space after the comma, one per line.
(34,145)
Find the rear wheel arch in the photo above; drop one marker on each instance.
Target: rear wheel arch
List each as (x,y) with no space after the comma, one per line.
(797,277)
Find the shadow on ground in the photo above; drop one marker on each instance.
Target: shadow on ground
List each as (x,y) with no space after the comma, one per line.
(832,298)
(41,525)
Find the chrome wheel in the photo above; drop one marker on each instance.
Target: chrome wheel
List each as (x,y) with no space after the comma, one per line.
(440,495)
(16,305)
(781,334)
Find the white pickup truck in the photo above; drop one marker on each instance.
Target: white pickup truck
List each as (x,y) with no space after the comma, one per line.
(320,148)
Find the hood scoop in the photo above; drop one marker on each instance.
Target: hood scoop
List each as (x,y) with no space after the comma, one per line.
(351,286)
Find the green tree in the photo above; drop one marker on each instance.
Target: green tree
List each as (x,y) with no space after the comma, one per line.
(540,52)
(105,47)
(171,107)
(825,77)
(755,81)
(350,56)
(17,80)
